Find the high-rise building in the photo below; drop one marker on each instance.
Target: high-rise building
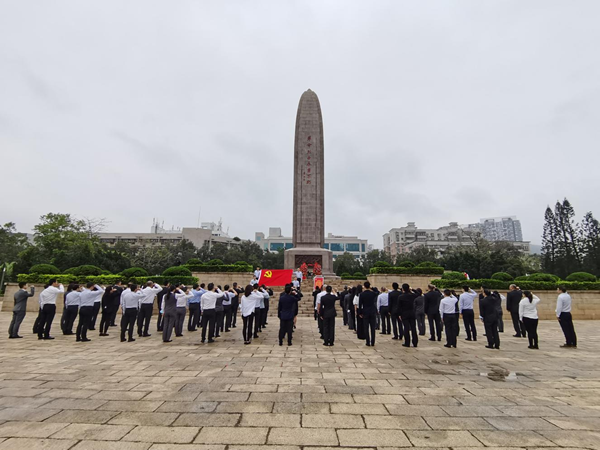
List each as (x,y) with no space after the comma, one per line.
(501,229)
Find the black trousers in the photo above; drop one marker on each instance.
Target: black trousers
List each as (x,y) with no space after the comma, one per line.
(208,322)
(351,317)
(450,325)
(234,310)
(286,327)
(257,321)
(420,323)
(85,319)
(370,323)
(397,325)
(566,323)
(107,318)
(435,325)
(160,321)
(410,329)
(531,327)
(247,330)
(96,310)
(194,316)
(168,324)
(113,316)
(47,316)
(227,311)
(219,322)
(386,324)
(143,318)
(517,324)
(500,314)
(491,332)
(469,321)
(179,320)
(70,315)
(128,322)
(38,319)
(265,313)
(344,313)
(15,323)
(329,330)
(63,318)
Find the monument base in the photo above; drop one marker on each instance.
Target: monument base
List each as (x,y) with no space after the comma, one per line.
(295,257)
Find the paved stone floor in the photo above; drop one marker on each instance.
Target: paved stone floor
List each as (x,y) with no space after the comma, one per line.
(104,394)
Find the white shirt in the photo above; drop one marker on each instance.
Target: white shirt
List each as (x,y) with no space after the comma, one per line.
(298,275)
(318,302)
(296,283)
(355,299)
(182,298)
(448,305)
(257,273)
(48,295)
(130,299)
(248,304)
(382,300)
(563,304)
(209,300)
(148,294)
(89,297)
(228,297)
(466,300)
(258,299)
(528,309)
(73,298)
(253,282)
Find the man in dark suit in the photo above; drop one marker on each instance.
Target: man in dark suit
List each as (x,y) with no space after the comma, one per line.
(407,312)
(285,311)
(489,314)
(342,296)
(513,298)
(394,307)
(328,313)
(159,297)
(432,309)
(115,296)
(367,307)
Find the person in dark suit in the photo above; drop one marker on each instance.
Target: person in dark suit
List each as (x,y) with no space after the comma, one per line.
(342,296)
(107,310)
(367,307)
(159,298)
(513,298)
(394,307)
(489,314)
(349,307)
(406,303)
(328,313)
(19,310)
(285,311)
(116,292)
(432,309)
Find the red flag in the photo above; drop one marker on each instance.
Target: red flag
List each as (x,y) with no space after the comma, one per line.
(275,277)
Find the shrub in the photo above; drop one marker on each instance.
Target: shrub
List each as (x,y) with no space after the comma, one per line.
(86,270)
(220,268)
(241,263)
(71,271)
(346,274)
(215,262)
(582,276)
(405,264)
(542,277)
(527,285)
(408,270)
(44,269)
(106,272)
(103,280)
(177,271)
(427,264)
(459,276)
(502,276)
(359,276)
(134,272)
(382,264)
(193,261)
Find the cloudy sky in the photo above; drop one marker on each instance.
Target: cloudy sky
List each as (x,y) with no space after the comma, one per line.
(433,111)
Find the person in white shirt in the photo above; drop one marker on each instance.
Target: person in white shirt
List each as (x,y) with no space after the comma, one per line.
(318,298)
(254,281)
(72,299)
(182,295)
(87,301)
(565,319)
(130,302)
(260,306)
(48,308)
(448,314)
(257,273)
(465,306)
(383,309)
(146,307)
(248,305)
(528,314)
(298,274)
(208,303)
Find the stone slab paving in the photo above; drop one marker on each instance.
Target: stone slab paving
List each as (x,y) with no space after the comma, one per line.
(146,395)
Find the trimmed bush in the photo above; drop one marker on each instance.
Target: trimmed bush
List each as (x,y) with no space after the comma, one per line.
(406,264)
(346,274)
(103,280)
(85,270)
(582,277)
(45,269)
(215,262)
(408,270)
(538,277)
(527,285)
(459,276)
(134,272)
(382,264)
(220,268)
(502,276)
(241,263)
(177,271)
(193,261)
(359,276)
(427,264)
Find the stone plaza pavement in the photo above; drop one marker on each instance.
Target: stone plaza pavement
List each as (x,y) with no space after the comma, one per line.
(60,395)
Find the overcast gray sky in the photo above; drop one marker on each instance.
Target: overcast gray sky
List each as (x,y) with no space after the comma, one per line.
(433,111)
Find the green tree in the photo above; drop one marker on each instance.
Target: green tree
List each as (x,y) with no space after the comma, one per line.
(346,263)
(549,242)
(11,243)
(590,236)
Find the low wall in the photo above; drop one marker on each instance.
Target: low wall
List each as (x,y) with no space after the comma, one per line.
(33,304)
(223,278)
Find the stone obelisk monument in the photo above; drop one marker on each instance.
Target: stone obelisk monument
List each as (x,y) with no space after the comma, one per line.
(309,194)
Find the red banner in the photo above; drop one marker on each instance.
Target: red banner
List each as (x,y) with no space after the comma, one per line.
(275,277)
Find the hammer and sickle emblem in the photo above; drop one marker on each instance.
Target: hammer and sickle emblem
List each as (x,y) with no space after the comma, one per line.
(268,274)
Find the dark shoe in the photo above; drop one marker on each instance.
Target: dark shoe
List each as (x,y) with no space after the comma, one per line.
(203,341)
(439,339)
(289,344)
(530,346)
(227,330)
(180,335)
(146,335)
(166,342)
(488,346)
(78,340)
(123,340)
(255,336)
(49,338)
(325,343)
(396,338)
(246,342)
(432,339)
(474,339)
(468,339)
(405,345)
(515,335)
(497,348)
(447,346)
(86,340)
(233,326)
(280,343)
(131,340)
(210,341)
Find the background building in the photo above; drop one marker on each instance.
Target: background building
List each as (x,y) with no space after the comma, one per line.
(337,244)
(501,229)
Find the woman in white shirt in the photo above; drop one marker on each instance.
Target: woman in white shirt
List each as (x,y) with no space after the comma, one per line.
(247,305)
(529,316)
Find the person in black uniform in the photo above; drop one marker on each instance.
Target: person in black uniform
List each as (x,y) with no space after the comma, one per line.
(394,306)
(406,303)
(235,304)
(489,315)
(342,296)
(349,307)
(286,309)
(107,310)
(432,309)
(328,313)
(513,298)
(117,290)
(159,298)
(367,307)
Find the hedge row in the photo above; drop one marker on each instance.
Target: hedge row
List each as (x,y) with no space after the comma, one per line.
(408,270)
(525,285)
(104,280)
(219,267)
